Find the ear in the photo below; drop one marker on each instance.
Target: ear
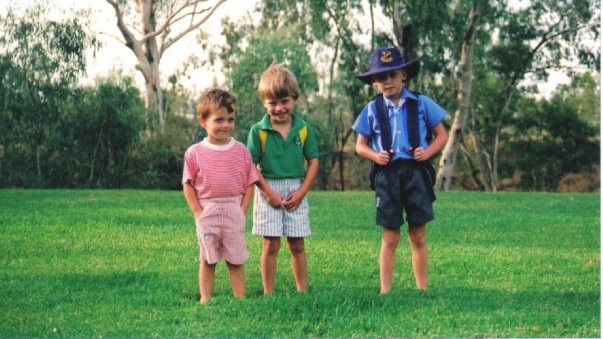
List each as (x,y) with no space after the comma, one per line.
(404,75)
(202,121)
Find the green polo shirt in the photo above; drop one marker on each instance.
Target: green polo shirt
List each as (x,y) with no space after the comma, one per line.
(282,158)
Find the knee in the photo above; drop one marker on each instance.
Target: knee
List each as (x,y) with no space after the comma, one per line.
(272,246)
(233,266)
(417,239)
(296,246)
(390,238)
(390,242)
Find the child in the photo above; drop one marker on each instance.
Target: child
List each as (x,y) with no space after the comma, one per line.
(218,181)
(402,175)
(286,151)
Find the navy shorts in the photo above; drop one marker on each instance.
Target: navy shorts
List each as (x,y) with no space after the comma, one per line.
(404,186)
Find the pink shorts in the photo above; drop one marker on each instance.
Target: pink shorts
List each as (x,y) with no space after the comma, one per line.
(221,231)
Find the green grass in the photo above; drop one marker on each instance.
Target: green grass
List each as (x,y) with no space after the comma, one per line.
(117,264)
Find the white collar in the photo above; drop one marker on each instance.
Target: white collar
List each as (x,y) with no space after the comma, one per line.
(390,103)
(215,147)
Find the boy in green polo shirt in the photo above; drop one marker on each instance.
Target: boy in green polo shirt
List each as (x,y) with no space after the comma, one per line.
(286,151)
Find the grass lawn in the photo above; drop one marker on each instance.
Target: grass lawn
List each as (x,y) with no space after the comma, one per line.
(123,264)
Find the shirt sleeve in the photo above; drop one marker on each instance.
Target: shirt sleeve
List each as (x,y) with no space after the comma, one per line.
(435,112)
(311,145)
(253,144)
(363,124)
(190,167)
(252,170)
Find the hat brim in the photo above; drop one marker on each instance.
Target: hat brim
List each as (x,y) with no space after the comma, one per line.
(412,69)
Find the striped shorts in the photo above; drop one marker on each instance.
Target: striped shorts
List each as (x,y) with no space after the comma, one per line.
(276,222)
(221,231)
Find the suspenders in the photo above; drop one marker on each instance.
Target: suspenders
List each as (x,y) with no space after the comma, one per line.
(412,116)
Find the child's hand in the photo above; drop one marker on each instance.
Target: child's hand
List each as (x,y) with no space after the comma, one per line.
(420,154)
(293,200)
(382,158)
(274,199)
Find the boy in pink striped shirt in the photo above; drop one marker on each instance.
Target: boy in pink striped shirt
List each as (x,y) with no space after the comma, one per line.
(218,180)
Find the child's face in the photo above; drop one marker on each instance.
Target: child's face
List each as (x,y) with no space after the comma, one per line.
(390,83)
(219,126)
(280,109)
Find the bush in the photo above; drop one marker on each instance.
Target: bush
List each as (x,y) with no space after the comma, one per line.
(581,182)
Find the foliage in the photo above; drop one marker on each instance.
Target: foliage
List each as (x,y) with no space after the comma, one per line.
(264,49)
(123,263)
(532,42)
(55,134)
(554,142)
(39,64)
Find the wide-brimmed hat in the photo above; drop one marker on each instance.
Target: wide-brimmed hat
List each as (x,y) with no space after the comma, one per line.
(388,59)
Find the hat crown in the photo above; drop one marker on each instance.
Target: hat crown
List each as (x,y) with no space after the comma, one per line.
(385,57)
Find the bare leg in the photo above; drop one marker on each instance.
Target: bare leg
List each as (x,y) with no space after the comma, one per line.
(418,247)
(389,242)
(236,274)
(207,275)
(299,265)
(270,248)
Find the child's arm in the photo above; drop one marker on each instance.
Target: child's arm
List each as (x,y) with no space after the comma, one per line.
(295,198)
(191,199)
(364,150)
(274,199)
(247,198)
(439,140)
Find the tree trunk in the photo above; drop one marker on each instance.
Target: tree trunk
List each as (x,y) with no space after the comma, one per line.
(481,174)
(156,37)
(449,154)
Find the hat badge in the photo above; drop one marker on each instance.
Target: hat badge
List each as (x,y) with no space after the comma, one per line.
(386,56)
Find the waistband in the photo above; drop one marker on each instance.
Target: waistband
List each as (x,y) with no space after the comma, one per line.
(228,200)
(401,163)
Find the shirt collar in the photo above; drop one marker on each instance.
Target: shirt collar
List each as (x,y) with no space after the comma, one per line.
(295,123)
(224,147)
(405,94)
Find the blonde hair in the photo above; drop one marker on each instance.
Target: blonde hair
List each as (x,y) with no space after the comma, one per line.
(278,82)
(214,99)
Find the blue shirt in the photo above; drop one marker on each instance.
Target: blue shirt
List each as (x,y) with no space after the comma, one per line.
(430,115)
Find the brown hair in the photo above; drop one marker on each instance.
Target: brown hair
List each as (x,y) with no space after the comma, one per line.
(214,99)
(278,82)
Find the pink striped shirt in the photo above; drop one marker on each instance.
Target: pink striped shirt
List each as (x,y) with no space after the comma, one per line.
(219,171)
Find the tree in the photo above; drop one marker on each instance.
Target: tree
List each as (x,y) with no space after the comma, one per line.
(532,41)
(40,61)
(552,140)
(449,154)
(162,24)
(509,46)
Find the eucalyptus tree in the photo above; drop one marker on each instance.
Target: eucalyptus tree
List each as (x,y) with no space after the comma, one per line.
(41,60)
(530,43)
(556,138)
(465,85)
(462,49)
(472,64)
(150,27)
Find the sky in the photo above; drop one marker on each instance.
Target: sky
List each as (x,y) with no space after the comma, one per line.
(114,57)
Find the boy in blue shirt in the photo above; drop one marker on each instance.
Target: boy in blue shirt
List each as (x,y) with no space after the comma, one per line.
(403,176)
